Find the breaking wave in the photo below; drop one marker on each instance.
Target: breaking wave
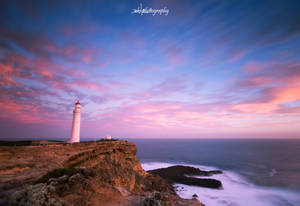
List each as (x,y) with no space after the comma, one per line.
(237,191)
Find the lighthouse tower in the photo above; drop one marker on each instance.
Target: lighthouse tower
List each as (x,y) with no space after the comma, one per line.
(75,135)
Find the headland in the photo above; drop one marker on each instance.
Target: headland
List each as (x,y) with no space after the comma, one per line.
(89,173)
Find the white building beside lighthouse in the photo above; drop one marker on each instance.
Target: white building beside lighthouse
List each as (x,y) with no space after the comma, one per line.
(75,134)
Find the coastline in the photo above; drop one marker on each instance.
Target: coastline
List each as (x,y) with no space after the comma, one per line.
(98,173)
(237,190)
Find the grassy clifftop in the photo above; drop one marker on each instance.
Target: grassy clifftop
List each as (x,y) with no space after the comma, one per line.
(94,173)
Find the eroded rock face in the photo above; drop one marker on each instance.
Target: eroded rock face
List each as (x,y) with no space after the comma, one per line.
(114,162)
(103,173)
(39,194)
(75,186)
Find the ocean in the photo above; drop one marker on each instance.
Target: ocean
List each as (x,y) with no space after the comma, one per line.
(255,172)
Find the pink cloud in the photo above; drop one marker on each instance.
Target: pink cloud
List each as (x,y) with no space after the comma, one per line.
(43,47)
(238,54)
(70,30)
(253,66)
(286,94)
(12,110)
(47,72)
(166,88)
(89,85)
(259,108)
(174,53)
(163,119)
(6,74)
(277,84)
(131,38)
(255,81)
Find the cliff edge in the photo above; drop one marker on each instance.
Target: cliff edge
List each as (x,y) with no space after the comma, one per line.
(96,173)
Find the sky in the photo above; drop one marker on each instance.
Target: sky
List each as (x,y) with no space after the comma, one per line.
(205,69)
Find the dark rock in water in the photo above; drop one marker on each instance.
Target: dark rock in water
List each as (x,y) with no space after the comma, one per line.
(179,170)
(177,174)
(195,195)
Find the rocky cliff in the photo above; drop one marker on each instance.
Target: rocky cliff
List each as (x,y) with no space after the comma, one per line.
(97,173)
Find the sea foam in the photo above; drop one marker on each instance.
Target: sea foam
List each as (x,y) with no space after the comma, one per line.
(237,191)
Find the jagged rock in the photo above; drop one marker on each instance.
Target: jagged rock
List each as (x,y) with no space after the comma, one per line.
(167,199)
(155,199)
(75,179)
(38,195)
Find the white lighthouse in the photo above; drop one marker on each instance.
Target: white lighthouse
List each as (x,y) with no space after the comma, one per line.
(75,135)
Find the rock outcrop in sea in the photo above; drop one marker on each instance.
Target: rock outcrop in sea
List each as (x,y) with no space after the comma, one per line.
(185,175)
